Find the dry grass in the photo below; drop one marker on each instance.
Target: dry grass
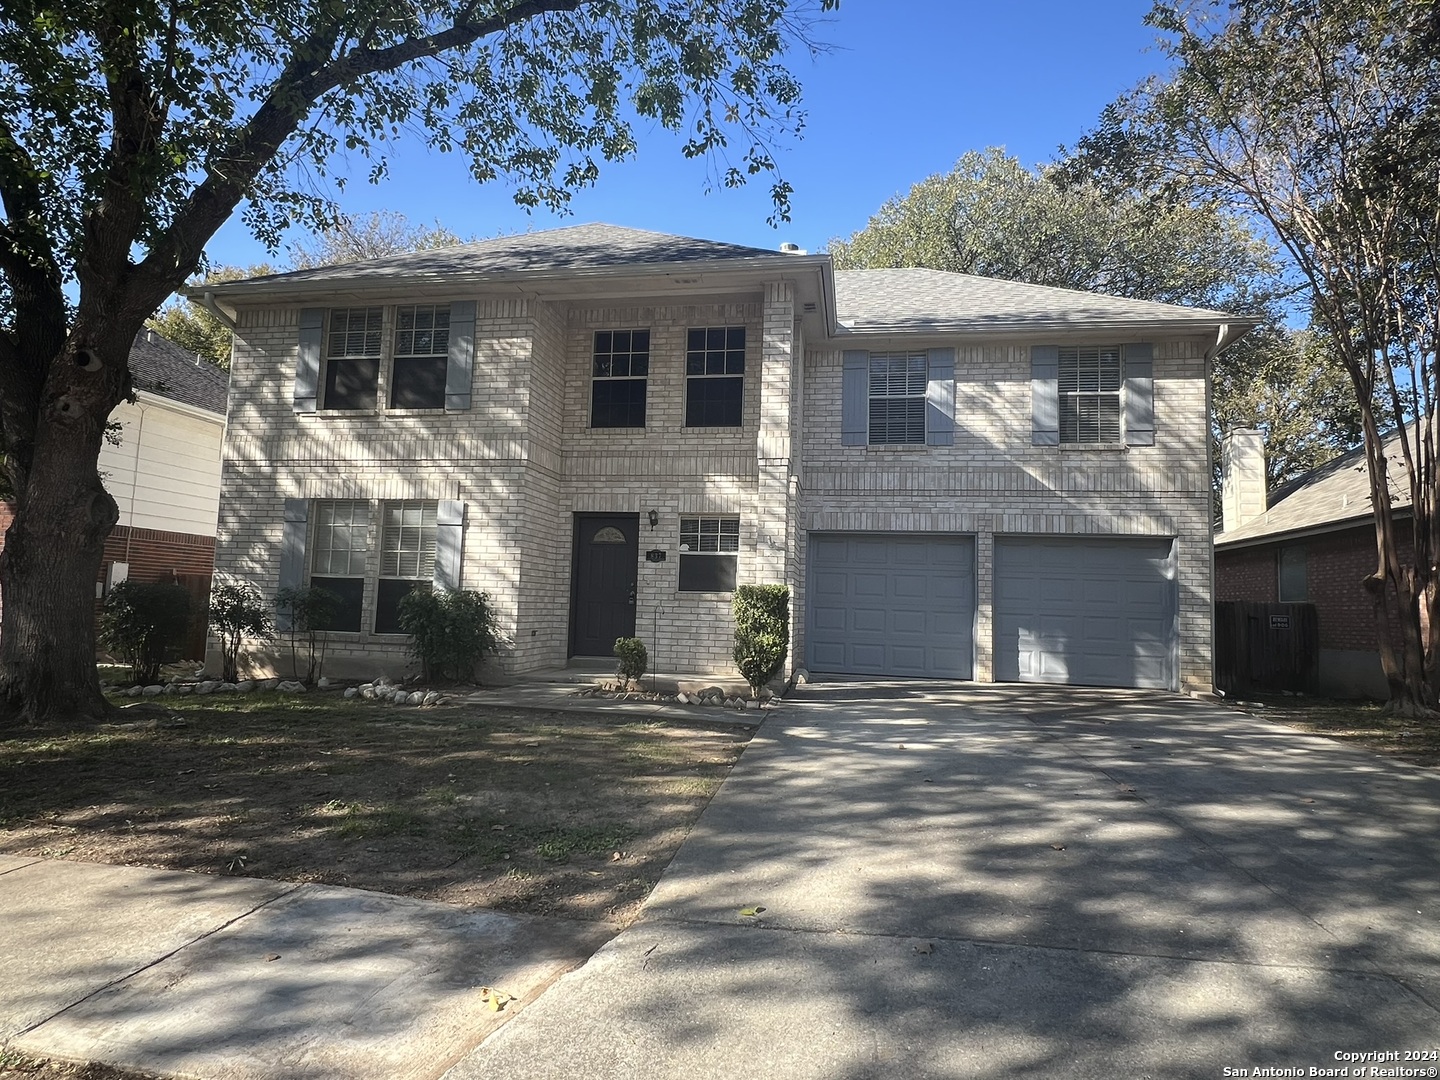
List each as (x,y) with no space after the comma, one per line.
(565,814)
(1359,723)
(17,1066)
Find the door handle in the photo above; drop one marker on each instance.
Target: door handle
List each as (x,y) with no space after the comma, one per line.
(631,598)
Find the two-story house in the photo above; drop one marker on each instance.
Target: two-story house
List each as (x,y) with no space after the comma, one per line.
(606,429)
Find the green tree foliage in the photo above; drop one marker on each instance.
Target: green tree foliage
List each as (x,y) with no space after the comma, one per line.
(130,132)
(1321,119)
(762,632)
(142,623)
(451,631)
(992,216)
(238,613)
(193,327)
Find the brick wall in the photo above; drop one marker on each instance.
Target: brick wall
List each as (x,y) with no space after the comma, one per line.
(1335,565)
(994,482)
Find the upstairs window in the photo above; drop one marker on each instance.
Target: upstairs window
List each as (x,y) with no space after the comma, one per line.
(422,351)
(407,558)
(338,547)
(897,397)
(352,357)
(1089,394)
(709,548)
(715,376)
(620,369)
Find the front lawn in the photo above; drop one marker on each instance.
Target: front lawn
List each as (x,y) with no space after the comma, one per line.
(552,813)
(1360,723)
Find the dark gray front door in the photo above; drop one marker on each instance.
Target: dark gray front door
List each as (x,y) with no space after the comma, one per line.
(602,598)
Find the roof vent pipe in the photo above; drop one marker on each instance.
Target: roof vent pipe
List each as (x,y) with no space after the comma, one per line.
(792,249)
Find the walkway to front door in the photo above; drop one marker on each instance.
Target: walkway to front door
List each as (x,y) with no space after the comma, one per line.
(603,578)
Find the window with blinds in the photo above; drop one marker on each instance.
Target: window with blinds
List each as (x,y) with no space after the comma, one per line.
(897,398)
(407,558)
(1089,386)
(340,540)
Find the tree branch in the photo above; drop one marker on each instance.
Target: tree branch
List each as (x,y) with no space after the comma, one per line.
(295,92)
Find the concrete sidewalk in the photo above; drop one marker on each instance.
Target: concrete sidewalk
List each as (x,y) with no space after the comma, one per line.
(217,977)
(998,882)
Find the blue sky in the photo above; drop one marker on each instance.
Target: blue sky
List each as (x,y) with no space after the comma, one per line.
(908,87)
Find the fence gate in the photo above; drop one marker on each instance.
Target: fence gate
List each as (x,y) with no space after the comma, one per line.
(1266,647)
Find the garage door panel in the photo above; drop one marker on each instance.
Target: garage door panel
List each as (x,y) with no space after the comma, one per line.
(1085,611)
(909,602)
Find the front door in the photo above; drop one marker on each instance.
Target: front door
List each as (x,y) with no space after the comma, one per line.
(602,598)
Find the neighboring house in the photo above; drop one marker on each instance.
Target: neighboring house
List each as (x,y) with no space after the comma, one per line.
(163,472)
(607,429)
(1311,540)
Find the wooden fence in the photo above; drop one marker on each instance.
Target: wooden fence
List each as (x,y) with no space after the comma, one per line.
(1263,648)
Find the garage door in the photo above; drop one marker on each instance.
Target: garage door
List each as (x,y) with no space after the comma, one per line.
(891,604)
(1085,612)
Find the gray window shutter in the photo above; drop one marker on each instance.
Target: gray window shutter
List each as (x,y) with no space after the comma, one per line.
(461,365)
(307,362)
(1139,394)
(449,543)
(292,551)
(1045,395)
(855,399)
(940,399)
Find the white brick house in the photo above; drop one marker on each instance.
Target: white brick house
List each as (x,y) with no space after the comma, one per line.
(605,429)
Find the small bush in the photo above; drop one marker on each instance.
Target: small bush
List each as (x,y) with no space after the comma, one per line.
(302,612)
(237,612)
(762,632)
(451,631)
(634,660)
(142,623)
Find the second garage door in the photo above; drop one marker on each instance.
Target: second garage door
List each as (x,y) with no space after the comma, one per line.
(891,604)
(1085,612)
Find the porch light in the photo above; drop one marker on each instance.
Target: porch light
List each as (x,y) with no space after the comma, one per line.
(654,519)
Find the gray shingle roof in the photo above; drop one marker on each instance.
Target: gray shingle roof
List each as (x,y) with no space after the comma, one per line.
(575,247)
(916,299)
(161,367)
(1336,493)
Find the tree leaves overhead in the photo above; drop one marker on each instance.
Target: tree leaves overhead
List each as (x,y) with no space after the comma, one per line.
(992,216)
(154,99)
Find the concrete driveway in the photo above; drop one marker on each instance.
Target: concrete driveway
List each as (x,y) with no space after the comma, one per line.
(1000,882)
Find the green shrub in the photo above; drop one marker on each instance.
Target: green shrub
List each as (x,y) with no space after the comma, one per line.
(142,623)
(762,632)
(634,660)
(451,631)
(300,613)
(237,612)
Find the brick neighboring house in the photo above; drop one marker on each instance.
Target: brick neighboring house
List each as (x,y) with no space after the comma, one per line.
(607,429)
(1311,540)
(164,473)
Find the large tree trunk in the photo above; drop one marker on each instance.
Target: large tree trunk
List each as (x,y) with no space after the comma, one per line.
(54,547)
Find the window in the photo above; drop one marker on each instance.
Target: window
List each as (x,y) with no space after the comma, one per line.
(708,552)
(407,558)
(337,564)
(352,357)
(1291,569)
(897,397)
(422,351)
(715,376)
(1089,394)
(620,365)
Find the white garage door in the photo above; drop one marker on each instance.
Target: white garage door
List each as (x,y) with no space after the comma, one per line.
(1085,612)
(891,604)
